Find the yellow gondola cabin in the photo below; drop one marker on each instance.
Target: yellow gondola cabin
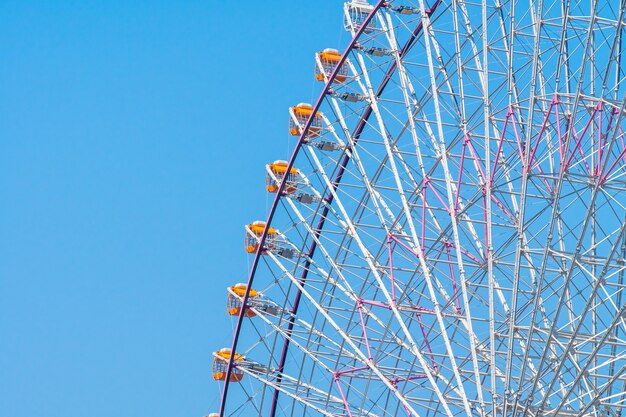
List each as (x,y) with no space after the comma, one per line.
(233,306)
(299,116)
(326,62)
(278,170)
(220,366)
(256,229)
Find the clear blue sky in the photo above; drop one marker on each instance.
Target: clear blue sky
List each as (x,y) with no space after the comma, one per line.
(133,138)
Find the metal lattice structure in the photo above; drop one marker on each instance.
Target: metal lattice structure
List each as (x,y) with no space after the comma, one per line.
(450,239)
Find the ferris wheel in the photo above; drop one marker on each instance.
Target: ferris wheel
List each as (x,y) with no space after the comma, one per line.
(448,237)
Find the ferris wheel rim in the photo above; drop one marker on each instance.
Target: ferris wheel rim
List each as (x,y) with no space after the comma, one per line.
(342,166)
(332,185)
(301,141)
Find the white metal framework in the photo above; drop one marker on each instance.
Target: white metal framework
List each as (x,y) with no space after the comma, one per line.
(462,252)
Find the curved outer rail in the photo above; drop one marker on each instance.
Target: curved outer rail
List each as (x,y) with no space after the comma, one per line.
(329,198)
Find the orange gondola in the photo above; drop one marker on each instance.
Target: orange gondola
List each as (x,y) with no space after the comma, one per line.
(255,231)
(300,115)
(326,61)
(234,303)
(278,170)
(220,366)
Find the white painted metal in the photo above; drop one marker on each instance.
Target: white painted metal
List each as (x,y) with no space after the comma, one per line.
(471,193)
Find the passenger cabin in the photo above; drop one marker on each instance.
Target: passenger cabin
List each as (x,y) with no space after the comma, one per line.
(325,64)
(220,366)
(235,296)
(355,13)
(300,115)
(254,233)
(276,172)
